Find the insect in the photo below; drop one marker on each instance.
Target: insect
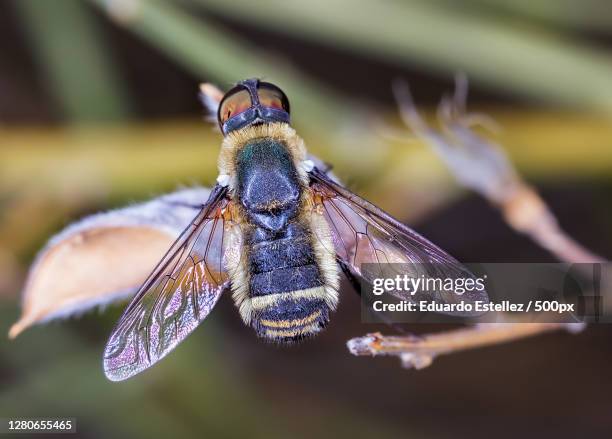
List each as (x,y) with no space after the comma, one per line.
(276,231)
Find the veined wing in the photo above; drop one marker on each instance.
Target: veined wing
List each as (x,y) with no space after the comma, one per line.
(364,234)
(179,293)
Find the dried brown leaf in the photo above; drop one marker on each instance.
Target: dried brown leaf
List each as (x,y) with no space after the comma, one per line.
(103,258)
(90,268)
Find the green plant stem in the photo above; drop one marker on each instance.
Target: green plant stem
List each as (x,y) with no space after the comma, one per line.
(78,67)
(215,54)
(512,57)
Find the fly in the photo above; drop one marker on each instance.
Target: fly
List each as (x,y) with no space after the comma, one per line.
(276,231)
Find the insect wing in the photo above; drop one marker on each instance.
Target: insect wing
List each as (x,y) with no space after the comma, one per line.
(177,296)
(364,234)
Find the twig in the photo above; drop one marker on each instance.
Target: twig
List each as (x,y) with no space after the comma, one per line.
(419,351)
(526,212)
(482,166)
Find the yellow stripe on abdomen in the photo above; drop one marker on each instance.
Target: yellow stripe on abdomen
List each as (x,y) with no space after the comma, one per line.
(295,332)
(291,323)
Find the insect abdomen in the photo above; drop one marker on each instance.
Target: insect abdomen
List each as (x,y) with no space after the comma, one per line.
(286,286)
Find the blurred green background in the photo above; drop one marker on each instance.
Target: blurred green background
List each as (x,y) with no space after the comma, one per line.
(98,109)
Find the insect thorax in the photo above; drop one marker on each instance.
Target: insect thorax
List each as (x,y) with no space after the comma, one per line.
(285,284)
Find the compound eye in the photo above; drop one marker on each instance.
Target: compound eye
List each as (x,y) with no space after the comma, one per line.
(271,96)
(234,103)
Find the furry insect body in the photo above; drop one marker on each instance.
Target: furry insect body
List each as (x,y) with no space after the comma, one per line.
(273,231)
(285,284)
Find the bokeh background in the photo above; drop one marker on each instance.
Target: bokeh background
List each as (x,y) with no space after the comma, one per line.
(98,108)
